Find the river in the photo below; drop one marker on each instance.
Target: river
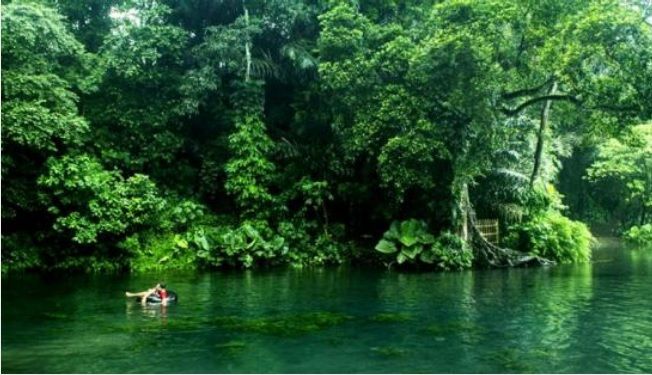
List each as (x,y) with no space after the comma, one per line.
(582,318)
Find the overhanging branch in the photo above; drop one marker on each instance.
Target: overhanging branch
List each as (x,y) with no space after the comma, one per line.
(556,97)
(525,92)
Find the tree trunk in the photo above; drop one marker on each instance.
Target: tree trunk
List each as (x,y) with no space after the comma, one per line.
(247,44)
(643,214)
(460,222)
(465,207)
(325,213)
(538,153)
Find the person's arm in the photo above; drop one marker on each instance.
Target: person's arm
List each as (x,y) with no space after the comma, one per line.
(147,294)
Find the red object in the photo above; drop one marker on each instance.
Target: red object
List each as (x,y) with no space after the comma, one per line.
(163,293)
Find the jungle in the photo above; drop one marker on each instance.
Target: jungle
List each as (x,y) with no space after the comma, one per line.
(146,135)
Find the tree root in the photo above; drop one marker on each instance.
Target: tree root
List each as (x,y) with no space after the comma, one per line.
(486,252)
(495,256)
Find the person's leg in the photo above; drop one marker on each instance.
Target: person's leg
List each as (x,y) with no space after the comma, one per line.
(140,294)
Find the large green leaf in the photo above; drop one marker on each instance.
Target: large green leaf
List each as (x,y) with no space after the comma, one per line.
(203,243)
(427,239)
(410,232)
(250,231)
(427,257)
(277,243)
(413,251)
(386,247)
(394,232)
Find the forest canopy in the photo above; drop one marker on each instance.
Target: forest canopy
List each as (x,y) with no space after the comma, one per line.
(161,134)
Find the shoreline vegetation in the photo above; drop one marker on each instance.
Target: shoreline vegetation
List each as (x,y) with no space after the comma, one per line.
(156,135)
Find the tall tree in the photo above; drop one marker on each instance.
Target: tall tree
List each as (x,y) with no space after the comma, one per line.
(44,69)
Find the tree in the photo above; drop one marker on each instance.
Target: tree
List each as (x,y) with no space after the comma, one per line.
(90,201)
(44,70)
(625,165)
(89,20)
(137,112)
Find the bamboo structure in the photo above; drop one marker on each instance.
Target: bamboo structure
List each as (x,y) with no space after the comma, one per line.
(489,229)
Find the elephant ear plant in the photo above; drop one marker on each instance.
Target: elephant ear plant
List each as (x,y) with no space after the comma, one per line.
(410,242)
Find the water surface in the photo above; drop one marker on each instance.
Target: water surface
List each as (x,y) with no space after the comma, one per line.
(573,318)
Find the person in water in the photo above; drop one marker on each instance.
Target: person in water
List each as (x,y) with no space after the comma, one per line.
(159,290)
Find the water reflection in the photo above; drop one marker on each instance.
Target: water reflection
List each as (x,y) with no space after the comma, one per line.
(158,311)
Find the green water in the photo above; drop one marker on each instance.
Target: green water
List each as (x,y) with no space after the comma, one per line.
(577,318)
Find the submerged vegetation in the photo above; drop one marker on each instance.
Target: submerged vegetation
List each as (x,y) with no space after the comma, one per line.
(388,317)
(289,325)
(169,134)
(273,325)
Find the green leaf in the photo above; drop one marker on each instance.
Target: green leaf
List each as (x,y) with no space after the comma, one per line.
(180,242)
(427,257)
(386,247)
(427,239)
(250,231)
(412,252)
(410,232)
(203,243)
(277,243)
(393,233)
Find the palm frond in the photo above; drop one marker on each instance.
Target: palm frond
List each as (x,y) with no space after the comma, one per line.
(297,52)
(511,174)
(511,212)
(286,149)
(510,155)
(264,66)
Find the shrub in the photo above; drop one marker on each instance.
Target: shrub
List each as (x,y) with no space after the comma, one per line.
(19,252)
(639,235)
(176,240)
(256,242)
(90,201)
(411,243)
(153,251)
(309,244)
(243,245)
(450,252)
(554,236)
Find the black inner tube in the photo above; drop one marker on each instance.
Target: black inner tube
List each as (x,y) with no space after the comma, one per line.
(153,298)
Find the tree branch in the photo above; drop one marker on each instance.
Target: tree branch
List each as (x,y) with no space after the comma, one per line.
(516,110)
(526,91)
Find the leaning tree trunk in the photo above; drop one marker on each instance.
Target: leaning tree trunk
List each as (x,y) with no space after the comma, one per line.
(538,153)
(485,252)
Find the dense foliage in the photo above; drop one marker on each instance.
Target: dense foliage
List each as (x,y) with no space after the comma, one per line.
(624,168)
(152,134)
(410,242)
(641,235)
(553,236)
